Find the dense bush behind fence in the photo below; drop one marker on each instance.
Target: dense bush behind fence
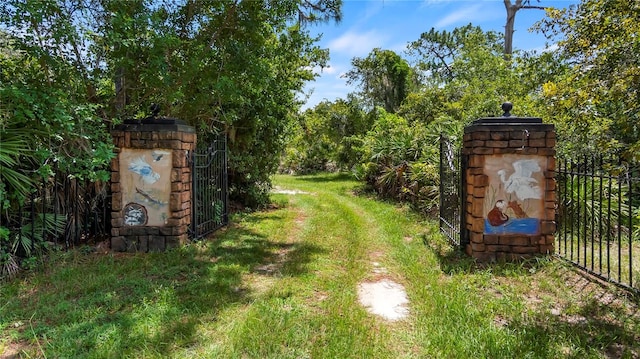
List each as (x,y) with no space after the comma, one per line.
(60,209)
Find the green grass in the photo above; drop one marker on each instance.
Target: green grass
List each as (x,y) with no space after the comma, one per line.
(612,260)
(281,283)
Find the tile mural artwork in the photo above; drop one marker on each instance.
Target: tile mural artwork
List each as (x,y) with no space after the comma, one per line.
(514,200)
(145,179)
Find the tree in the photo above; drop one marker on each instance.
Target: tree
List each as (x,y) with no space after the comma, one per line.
(596,101)
(384,77)
(435,51)
(319,11)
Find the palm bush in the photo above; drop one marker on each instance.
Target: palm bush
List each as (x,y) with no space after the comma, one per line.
(401,161)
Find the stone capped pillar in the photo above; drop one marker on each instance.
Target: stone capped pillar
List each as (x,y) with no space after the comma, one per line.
(510,187)
(151,185)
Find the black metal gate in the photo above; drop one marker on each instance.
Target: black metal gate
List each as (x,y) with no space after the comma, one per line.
(209,207)
(452,192)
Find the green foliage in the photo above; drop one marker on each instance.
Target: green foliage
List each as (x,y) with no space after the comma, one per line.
(595,101)
(464,76)
(385,79)
(327,137)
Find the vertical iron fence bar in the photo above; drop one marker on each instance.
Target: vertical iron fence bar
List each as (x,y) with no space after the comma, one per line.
(191,157)
(204,215)
(572,213)
(219,190)
(619,224)
(96,224)
(74,203)
(441,171)
(561,180)
(54,203)
(579,207)
(86,212)
(33,214)
(584,221)
(565,205)
(600,213)
(609,210)
(223,181)
(630,201)
(57,207)
(63,205)
(44,208)
(593,206)
(226,178)
(210,193)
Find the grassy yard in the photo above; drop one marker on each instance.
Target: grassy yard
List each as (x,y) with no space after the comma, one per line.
(282,283)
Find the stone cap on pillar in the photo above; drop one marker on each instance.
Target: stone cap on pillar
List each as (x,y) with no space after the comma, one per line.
(155,123)
(507,121)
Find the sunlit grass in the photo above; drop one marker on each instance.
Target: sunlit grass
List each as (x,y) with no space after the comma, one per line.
(281,283)
(618,261)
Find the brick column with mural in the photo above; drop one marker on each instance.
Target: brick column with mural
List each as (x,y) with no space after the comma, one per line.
(151,185)
(510,188)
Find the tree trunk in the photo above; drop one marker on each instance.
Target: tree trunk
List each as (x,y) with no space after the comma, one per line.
(512,9)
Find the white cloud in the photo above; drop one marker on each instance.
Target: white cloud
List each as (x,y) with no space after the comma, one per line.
(464,15)
(357,44)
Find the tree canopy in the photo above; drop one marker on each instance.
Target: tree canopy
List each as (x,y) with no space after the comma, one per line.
(596,101)
(384,78)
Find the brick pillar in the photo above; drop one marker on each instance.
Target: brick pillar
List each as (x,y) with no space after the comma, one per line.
(151,185)
(510,188)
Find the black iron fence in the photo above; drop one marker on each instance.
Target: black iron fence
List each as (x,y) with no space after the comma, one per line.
(60,209)
(209,207)
(451,192)
(598,218)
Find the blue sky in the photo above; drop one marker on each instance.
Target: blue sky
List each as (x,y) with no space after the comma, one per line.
(391,25)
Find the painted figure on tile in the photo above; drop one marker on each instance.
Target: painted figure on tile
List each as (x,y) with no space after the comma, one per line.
(521,182)
(144,170)
(496,216)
